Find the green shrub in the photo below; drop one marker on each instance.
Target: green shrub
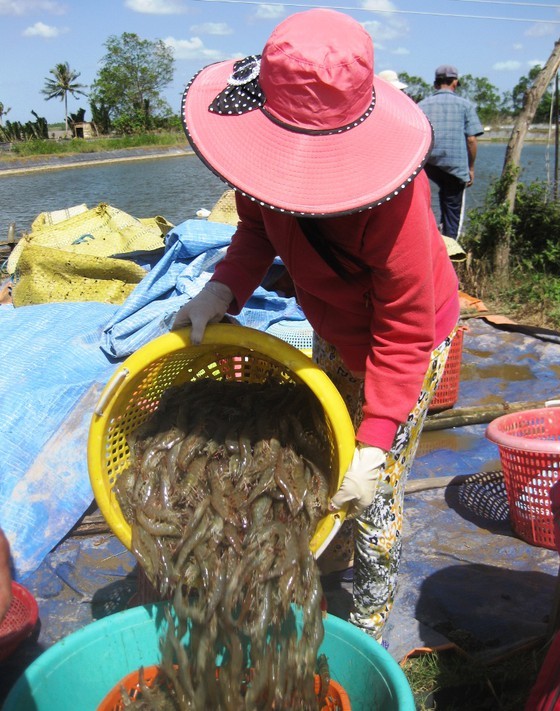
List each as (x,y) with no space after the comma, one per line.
(532,291)
(534,226)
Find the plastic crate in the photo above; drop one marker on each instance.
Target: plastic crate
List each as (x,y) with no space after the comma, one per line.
(529,446)
(447,392)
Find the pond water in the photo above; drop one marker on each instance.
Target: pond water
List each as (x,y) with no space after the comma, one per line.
(176,187)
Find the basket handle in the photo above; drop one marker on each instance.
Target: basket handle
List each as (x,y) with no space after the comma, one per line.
(110,390)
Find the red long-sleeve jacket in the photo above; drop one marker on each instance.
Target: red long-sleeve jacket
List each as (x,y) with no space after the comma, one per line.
(386,320)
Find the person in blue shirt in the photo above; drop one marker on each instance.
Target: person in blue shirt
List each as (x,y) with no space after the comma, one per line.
(451,163)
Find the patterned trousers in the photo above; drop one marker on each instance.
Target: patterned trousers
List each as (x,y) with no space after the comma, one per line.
(372,543)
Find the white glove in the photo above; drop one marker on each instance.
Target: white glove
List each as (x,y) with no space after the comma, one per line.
(208,306)
(360,481)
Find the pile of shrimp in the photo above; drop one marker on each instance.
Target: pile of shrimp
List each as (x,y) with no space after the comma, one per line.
(224,488)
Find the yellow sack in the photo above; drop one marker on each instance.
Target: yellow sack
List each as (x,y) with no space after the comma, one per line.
(46,275)
(225,210)
(158,221)
(55,216)
(101,231)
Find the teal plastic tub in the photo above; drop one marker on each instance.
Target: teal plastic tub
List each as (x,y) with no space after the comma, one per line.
(76,673)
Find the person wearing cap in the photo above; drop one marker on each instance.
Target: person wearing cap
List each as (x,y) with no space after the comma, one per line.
(451,162)
(393,78)
(326,161)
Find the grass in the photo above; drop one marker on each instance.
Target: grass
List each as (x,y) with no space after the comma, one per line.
(529,297)
(94,145)
(453,681)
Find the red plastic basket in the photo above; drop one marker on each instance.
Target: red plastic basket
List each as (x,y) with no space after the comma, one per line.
(529,445)
(19,622)
(447,392)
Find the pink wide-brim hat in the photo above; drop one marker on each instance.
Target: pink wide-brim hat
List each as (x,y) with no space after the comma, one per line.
(305,129)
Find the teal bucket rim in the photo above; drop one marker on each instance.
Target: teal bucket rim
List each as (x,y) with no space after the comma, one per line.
(49,661)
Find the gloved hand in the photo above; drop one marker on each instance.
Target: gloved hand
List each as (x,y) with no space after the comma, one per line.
(208,306)
(360,481)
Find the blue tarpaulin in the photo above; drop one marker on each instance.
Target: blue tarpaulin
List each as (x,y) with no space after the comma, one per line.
(52,373)
(193,249)
(466,578)
(58,357)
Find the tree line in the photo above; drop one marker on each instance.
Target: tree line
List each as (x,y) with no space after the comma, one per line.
(126,95)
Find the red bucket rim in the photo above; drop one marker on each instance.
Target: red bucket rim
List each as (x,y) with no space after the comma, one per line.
(495,431)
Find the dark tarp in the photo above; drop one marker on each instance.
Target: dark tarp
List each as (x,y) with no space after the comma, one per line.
(465,579)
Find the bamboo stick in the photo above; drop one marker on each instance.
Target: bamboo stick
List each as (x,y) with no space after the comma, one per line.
(436,482)
(477,414)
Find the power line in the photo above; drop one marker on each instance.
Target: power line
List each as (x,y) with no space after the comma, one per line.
(389,12)
(507,2)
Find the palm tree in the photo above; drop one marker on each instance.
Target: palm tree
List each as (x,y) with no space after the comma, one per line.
(61,85)
(3,111)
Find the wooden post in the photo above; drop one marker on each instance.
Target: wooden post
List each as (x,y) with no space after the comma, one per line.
(515,146)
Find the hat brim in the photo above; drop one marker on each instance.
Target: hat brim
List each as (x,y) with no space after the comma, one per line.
(303,173)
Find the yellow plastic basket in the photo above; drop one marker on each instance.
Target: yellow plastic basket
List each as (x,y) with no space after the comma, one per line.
(228,352)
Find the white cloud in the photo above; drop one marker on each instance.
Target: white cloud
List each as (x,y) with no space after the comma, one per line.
(518,46)
(23,7)
(543,29)
(270,12)
(507,66)
(384,31)
(400,50)
(39,29)
(212,28)
(379,5)
(388,25)
(193,49)
(156,7)
(536,62)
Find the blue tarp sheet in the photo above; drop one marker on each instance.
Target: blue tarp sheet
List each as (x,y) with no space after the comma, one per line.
(192,250)
(464,572)
(466,579)
(58,357)
(52,373)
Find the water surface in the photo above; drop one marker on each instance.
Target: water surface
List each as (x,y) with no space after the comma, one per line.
(176,187)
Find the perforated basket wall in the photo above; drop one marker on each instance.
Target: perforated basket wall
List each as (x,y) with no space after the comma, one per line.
(298,334)
(19,622)
(227,353)
(447,392)
(529,447)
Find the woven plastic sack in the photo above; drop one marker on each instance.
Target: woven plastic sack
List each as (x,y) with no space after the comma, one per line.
(45,275)
(225,210)
(55,216)
(158,222)
(454,250)
(101,231)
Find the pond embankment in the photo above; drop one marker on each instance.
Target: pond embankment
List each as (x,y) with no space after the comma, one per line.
(31,164)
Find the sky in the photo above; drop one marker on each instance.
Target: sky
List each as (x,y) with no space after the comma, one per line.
(496,39)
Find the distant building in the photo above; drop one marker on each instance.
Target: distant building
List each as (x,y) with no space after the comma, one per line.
(84,129)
